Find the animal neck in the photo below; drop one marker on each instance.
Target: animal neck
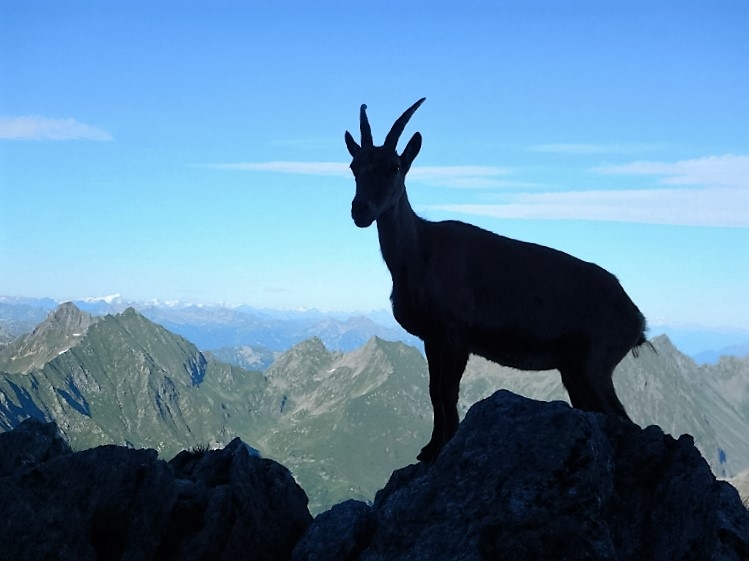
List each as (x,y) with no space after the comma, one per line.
(398,230)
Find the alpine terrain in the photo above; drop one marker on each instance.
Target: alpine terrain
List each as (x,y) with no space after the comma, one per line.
(341,421)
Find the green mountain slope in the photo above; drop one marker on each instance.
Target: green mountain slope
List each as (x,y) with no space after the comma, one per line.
(662,387)
(124,380)
(342,422)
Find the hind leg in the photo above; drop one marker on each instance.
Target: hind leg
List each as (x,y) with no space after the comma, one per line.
(591,388)
(446,366)
(571,378)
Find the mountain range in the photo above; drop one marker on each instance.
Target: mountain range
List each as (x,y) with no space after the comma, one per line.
(342,421)
(251,337)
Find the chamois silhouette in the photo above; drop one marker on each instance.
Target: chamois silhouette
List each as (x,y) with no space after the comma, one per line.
(463,290)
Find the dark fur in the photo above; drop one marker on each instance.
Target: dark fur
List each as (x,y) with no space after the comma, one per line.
(465,290)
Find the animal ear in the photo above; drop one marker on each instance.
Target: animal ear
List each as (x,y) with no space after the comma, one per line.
(353,147)
(410,152)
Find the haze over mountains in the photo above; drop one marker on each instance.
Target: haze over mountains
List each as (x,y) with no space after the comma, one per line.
(342,421)
(240,332)
(221,329)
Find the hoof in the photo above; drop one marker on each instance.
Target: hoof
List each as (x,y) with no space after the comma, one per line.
(429,453)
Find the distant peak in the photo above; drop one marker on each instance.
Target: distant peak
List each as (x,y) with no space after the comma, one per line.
(663,343)
(313,343)
(67,316)
(63,328)
(64,325)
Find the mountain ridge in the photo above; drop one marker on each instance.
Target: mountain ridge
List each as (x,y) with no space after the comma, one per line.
(62,328)
(521,479)
(342,421)
(218,326)
(126,380)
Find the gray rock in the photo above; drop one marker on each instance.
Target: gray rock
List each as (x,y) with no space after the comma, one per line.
(527,480)
(105,503)
(118,503)
(351,522)
(232,504)
(31,443)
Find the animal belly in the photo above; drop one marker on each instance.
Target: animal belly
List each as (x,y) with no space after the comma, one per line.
(514,349)
(420,324)
(414,314)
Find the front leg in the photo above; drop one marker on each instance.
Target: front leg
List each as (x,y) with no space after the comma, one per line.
(446,365)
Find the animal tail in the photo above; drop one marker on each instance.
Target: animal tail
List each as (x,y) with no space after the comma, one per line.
(643,340)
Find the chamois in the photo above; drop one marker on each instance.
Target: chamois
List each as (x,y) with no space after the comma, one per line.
(463,290)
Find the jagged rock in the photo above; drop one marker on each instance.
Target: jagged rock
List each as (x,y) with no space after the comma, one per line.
(351,523)
(527,480)
(31,443)
(113,502)
(232,504)
(741,482)
(105,503)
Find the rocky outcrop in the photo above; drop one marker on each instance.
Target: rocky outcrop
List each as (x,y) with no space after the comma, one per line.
(741,482)
(522,480)
(113,502)
(526,480)
(231,505)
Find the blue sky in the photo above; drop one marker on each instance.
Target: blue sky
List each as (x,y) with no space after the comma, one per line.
(194,150)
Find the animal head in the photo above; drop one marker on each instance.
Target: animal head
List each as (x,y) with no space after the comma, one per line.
(378,170)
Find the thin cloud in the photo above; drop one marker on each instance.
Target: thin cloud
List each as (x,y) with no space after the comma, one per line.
(712,191)
(460,176)
(573,149)
(584,149)
(450,176)
(725,171)
(297,168)
(45,128)
(720,207)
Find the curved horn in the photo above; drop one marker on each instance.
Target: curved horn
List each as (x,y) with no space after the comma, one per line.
(366,130)
(391,140)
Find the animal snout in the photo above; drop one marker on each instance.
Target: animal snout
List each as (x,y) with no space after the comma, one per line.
(361,213)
